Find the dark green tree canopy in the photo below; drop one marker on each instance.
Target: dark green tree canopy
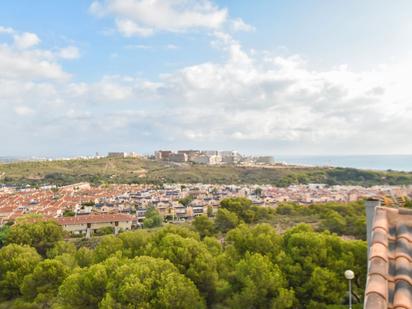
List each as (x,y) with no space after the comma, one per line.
(231,261)
(40,235)
(152,218)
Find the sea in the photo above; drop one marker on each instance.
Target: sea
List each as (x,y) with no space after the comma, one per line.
(372,162)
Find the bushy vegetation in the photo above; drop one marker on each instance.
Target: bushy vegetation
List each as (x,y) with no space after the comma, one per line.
(233,261)
(341,218)
(134,170)
(152,218)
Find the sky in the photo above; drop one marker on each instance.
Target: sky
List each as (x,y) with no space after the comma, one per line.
(263,77)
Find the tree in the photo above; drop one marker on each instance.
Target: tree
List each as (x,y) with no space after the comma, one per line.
(314,264)
(186,200)
(4,232)
(192,258)
(226,220)
(325,286)
(84,290)
(107,230)
(60,248)
(152,218)
(42,285)
(261,238)
(108,246)
(69,213)
(408,203)
(16,262)
(173,229)
(134,243)
(240,206)
(258,192)
(84,257)
(147,282)
(19,304)
(334,222)
(40,235)
(213,245)
(257,283)
(203,226)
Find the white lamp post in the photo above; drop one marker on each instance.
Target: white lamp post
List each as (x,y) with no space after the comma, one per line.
(350,275)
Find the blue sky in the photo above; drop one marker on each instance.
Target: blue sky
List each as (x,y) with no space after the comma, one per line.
(271,77)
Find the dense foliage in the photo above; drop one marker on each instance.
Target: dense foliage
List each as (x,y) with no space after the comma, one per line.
(233,261)
(343,219)
(152,218)
(135,170)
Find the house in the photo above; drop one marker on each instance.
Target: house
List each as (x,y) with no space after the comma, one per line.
(162,154)
(178,157)
(190,153)
(389,279)
(206,159)
(141,214)
(116,155)
(83,210)
(86,224)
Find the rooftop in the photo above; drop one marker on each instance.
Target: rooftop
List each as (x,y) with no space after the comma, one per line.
(94,219)
(389,282)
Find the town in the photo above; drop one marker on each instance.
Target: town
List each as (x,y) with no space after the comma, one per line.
(81,208)
(208,157)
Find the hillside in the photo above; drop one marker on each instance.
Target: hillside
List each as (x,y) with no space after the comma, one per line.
(133,170)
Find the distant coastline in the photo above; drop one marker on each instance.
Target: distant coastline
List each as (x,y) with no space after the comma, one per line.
(370,162)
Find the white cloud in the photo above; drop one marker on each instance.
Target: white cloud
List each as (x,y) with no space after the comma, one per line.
(29,65)
(69,52)
(269,100)
(7,30)
(138,46)
(238,24)
(23,111)
(23,61)
(26,40)
(129,28)
(172,46)
(144,17)
(254,101)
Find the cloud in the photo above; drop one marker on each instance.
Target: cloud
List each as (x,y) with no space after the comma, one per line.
(251,101)
(26,40)
(23,110)
(263,101)
(145,17)
(23,61)
(138,46)
(129,28)
(29,65)
(69,52)
(238,24)
(171,46)
(7,30)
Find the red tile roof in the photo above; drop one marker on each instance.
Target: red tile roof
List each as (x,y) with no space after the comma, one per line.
(94,219)
(389,283)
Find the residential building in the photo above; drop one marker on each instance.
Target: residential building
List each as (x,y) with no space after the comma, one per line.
(162,154)
(90,223)
(116,155)
(178,157)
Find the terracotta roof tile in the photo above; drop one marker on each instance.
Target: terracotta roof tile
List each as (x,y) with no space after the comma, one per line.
(389,283)
(94,218)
